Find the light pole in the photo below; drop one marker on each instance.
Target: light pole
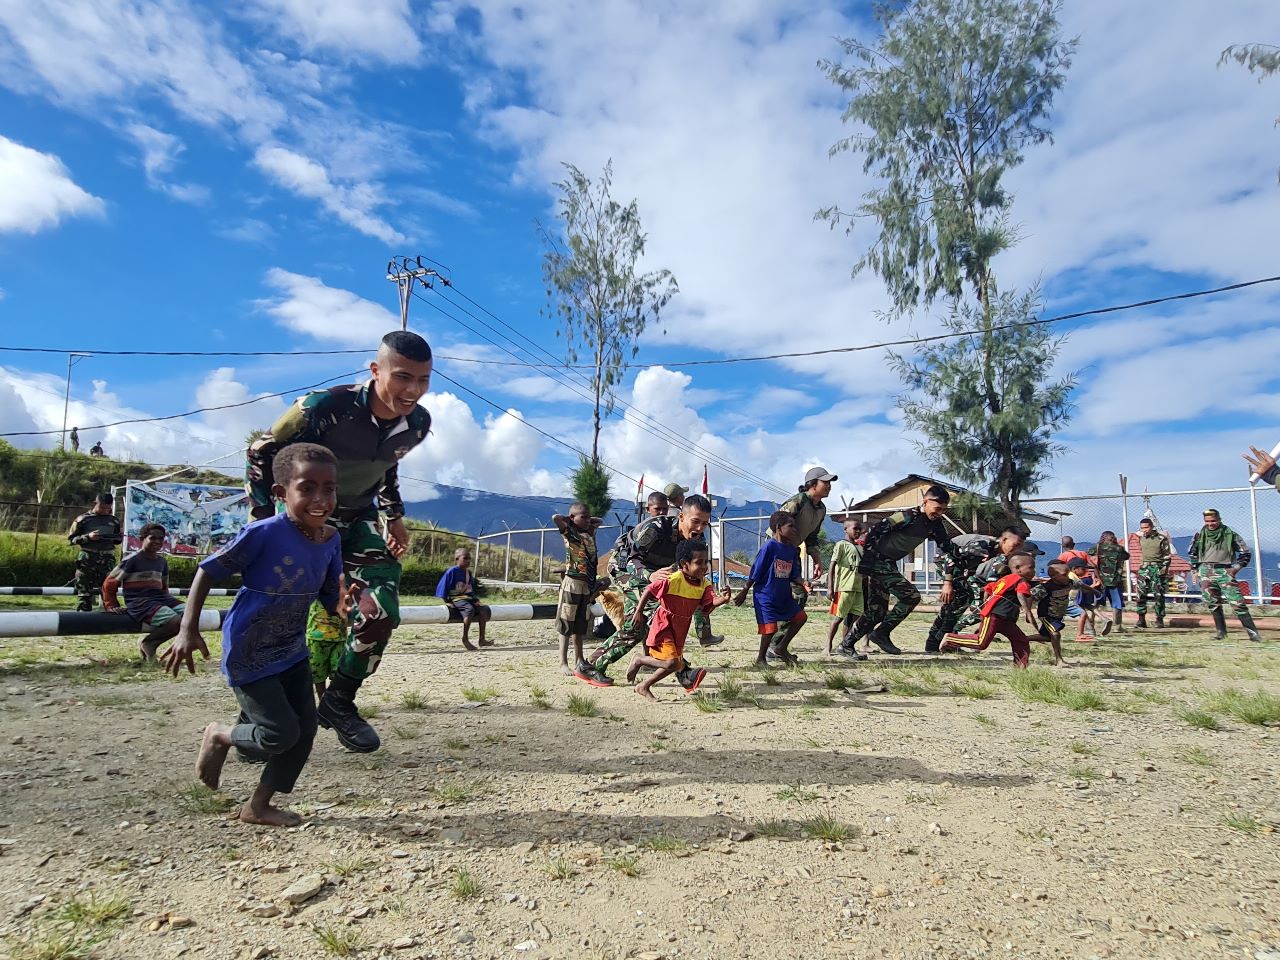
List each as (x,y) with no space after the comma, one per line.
(72,360)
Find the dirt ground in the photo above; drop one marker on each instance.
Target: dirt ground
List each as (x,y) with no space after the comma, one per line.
(907,807)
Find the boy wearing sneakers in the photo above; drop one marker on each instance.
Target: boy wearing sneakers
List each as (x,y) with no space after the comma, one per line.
(776,576)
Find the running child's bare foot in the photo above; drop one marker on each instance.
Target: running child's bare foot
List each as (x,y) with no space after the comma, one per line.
(1062,663)
(468,645)
(645,692)
(566,670)
(213,754)
(147,649)
(269,816)
(486,643)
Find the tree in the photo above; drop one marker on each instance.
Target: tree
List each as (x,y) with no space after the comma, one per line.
(1262,59)
(590,483)
(951,95)
(594,288)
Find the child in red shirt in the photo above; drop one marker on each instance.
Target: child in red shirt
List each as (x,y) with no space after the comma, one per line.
(1005,598)
(679,596)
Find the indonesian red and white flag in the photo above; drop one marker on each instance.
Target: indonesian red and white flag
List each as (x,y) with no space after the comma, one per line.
(705,490)
(640,489)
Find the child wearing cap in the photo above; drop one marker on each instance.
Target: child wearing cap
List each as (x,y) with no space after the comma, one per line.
(675,498)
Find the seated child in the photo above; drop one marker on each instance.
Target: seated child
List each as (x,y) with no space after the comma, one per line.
(1053,605)
(775,574)
(1088,590)
(679,595)
(1000,613)
(457,588)
(286,562)
(145,578)
(844,583)
(580,585)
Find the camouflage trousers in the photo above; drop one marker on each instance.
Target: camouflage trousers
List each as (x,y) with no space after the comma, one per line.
(948,618)
(92,568)
(1219,586)
(1152,578)
(355,650)
(628,637)
(886,581)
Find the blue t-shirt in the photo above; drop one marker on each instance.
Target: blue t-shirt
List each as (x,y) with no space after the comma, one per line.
(265,631)
(456,583)
(777,566)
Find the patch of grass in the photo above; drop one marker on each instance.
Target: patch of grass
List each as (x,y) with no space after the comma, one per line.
(199,799)
(1130,660)
(1082,749)
(339,941)
(1197,756)
(370,711)
(837,680)
(973,689)
(109,700)
(456,744)
(465,885)
(349,866)
(406,733)
(730,689)
(51,944)
(757,701)
(820,698)
(582,706)
(559,869)
(627,864)
(414,701)
(95,910)
(796,794)
(493,739)
(827,827)
(707,702)
(666,844)
(1049,686)
(769,677)
(538,697)
(459,791)
(1152,696)
(1199,719)
(1255,707)
(1035,833)
(656,744)
(777,829)
(986,721)
(479,694)
(1244,822)
(909,682)
(1082,771)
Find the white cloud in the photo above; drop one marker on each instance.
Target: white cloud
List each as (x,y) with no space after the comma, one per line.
(37,192)
(160,152)
(354,203)
(306,305)
(370,29)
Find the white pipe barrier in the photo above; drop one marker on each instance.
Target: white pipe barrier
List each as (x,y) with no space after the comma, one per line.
(70,591)
(65,623)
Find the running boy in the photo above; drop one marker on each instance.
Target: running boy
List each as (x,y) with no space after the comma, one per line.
(286,561)
(1053,605)
(1087,594)
(679,597)
(580,584)
(776,576)
(457,588)
(1112,563)
(1005,598)
(844,583)
(145,578)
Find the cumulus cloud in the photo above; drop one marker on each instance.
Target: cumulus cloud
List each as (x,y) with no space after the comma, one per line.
(381,30)
(160,152)
(37,192)
(307,305)
(354,203)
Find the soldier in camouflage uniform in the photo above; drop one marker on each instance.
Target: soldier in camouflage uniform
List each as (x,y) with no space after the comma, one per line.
(1153,570)
(810,512)
(97,533)
(960,569)
(650,551)
(369,427)
(1219,553)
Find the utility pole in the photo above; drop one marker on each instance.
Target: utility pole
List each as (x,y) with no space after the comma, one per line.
(72,360)
(404,272)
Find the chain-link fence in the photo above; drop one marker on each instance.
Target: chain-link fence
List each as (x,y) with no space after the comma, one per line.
(20,516)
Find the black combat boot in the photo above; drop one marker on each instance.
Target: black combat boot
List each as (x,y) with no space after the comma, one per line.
(1246,621)
(1142,621)
(1220,623)
(337,711)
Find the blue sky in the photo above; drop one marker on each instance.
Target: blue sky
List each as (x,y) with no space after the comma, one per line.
(184,176)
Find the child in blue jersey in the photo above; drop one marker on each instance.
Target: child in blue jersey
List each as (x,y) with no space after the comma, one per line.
(457,588)
(286,562)
(778,584)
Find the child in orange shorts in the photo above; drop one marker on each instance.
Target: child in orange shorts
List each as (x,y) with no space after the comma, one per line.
(679,596)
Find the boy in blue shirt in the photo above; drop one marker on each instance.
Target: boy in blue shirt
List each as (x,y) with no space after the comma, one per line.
(778,583)
(457,588)
(286,562)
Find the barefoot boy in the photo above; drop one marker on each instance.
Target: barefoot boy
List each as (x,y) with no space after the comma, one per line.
(145,578)
(679,596)
(1052,597)
(1000,613)
(457,588)
(775,575)
(286,561)
(844,583)
(580,584)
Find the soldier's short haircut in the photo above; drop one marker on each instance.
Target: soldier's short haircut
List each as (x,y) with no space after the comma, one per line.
(104,498)
(578,507)
(150,528)
(1147,520)
(1108,533)
(697,501)
(657,497)
(939,493)
(686,550)
(286,463)
(778,518)
(408,345)
(1014,530)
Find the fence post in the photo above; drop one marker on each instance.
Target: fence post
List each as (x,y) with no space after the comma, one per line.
(506,566)
(720,527)
(542,558)
(1124,516)
(1257,542)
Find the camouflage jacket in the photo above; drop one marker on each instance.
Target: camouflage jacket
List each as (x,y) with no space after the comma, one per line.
(1236,553)
(900,533)
(1109,560)
(107,526)
(809,519)
(971,549)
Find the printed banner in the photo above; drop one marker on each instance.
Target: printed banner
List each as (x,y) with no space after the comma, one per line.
(198,519)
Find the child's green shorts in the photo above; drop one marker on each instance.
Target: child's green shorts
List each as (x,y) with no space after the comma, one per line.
(326,639)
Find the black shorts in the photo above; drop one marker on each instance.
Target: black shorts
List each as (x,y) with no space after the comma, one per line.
(468,607)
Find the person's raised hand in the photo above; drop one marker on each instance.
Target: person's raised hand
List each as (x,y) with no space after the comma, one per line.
(1260,462)
(182,651)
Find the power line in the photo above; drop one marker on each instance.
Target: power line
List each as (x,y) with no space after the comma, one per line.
(189,413)
(1098,311)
